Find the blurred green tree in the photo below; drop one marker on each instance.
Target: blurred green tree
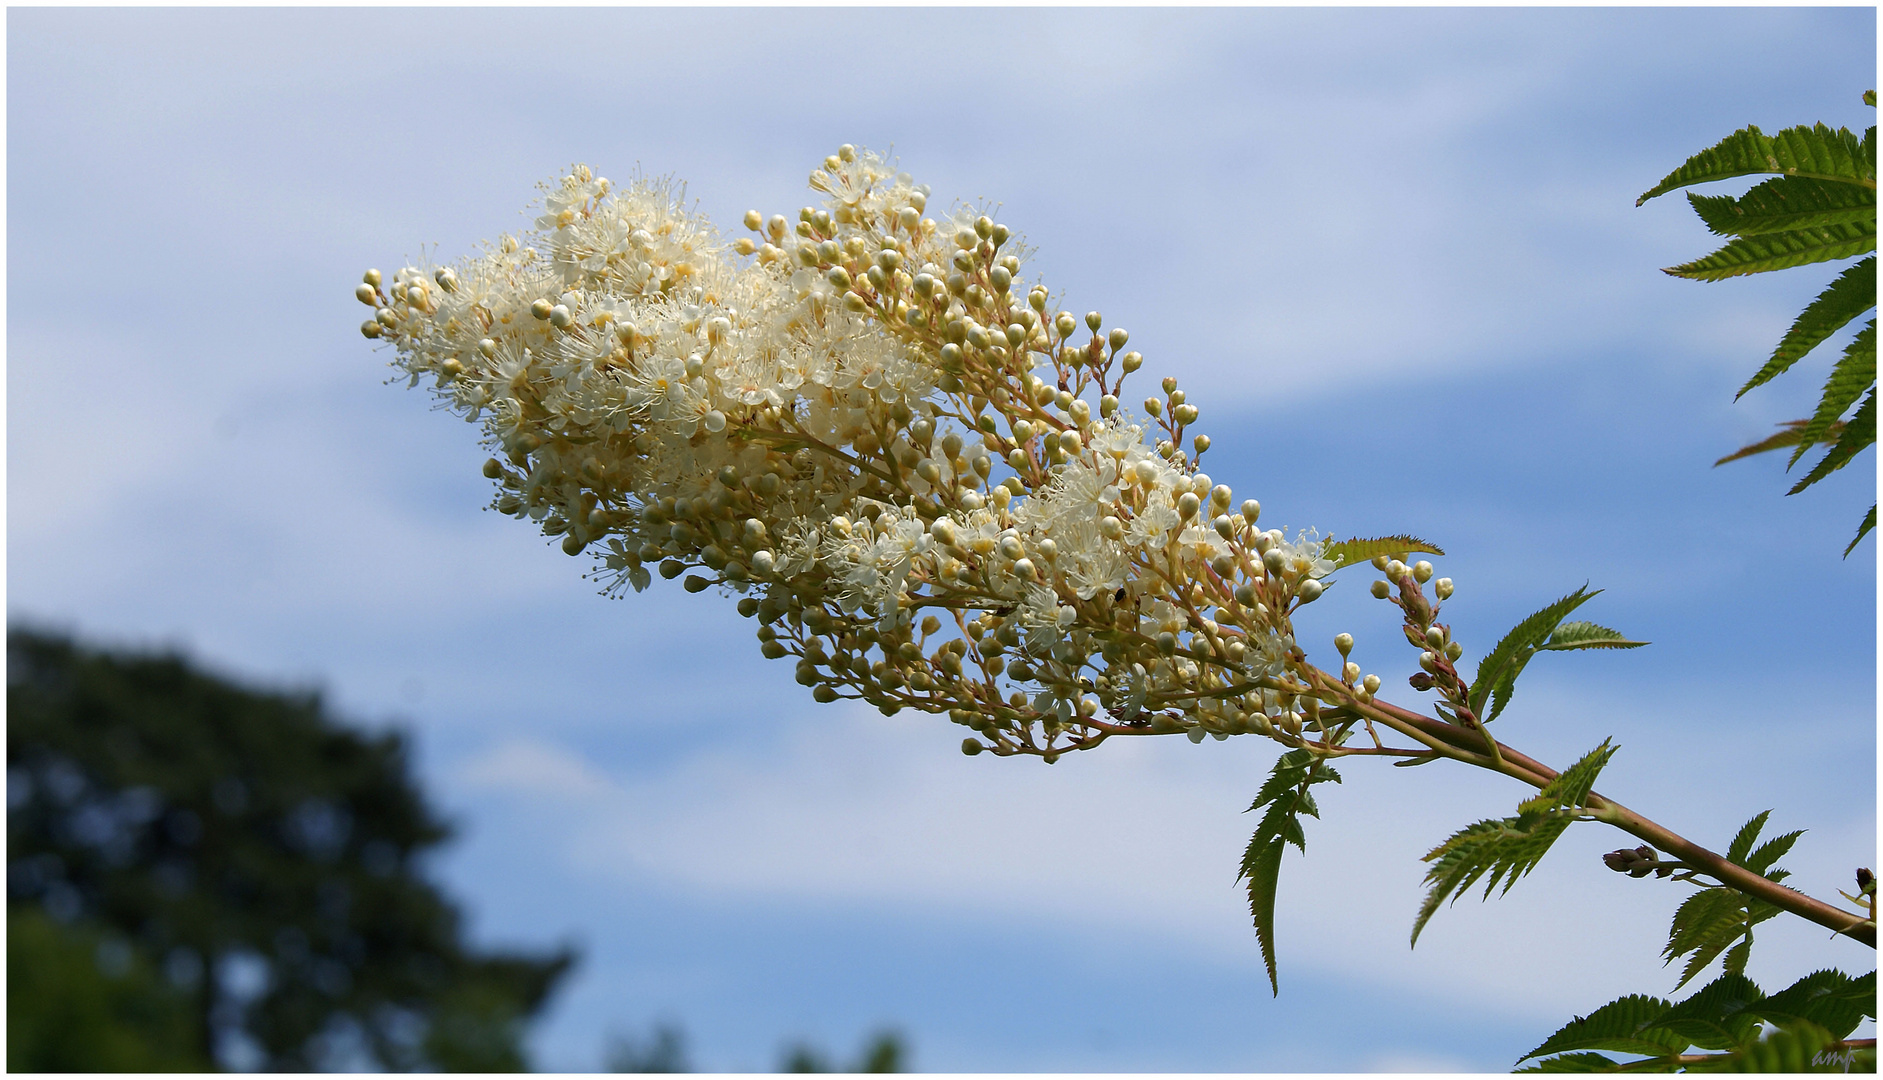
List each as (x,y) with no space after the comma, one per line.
(665,1051)
(81,1001)
(883,1053)
(254,868)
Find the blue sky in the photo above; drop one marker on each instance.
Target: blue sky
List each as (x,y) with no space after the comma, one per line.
(1392,253)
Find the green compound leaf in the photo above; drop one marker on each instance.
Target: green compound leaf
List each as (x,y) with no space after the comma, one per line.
(1719,920)
(1815,152)
(1507,849)
(1859,432)
(1628,1025)
(1497,673)
(1348,552)
(1785,203)
(1778,251)
(1286,795)
(1854,373)
(1828,998)
(1852,294)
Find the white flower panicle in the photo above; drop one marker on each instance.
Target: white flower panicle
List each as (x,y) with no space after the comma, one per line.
(917,473)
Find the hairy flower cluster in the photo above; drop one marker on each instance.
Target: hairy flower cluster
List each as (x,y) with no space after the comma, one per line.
(917,474)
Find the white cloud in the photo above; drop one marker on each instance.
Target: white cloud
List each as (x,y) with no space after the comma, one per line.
(1135,841)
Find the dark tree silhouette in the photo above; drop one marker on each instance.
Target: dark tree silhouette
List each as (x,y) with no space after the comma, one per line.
(259,855)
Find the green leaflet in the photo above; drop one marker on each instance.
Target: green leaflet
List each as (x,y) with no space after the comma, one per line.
(1584,1062)
(1627,1024)
(1743,840)
(1779,251)
(1286,795)
(1726,1014)
(1854,373)
(1509,848)
(1722,1015)
(1540,632)
(1348,552)
(1869,522)
(1859,432)
(1785,203)
(1852,294)
(1830,999)
(1789,434)
(1814,152)
(1586,635)
(1705,924)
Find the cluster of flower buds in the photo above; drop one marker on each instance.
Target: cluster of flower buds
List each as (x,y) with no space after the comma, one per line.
(914,471)
(1637,862)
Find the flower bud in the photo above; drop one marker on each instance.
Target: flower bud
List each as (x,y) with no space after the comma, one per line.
(1274,560)
(1111,528)
(1245,595)
(695,583)
(1065,324)
(1153,406)
(1201,442)
(1224,525)
(1187,505)
(1381,590)
(372,278)
(1349,671)
(1428,662)
(1435,637)
(370,328)
(971,747)
(1344,643)
(1422,571)
(1024,569)
(754,220)
(1395,570)
(1170,387)
(1371,684)
(560,318)
(1309,591)
(541,309)
(366,294)
(1443,588)
(1251,510)
(1453,650)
